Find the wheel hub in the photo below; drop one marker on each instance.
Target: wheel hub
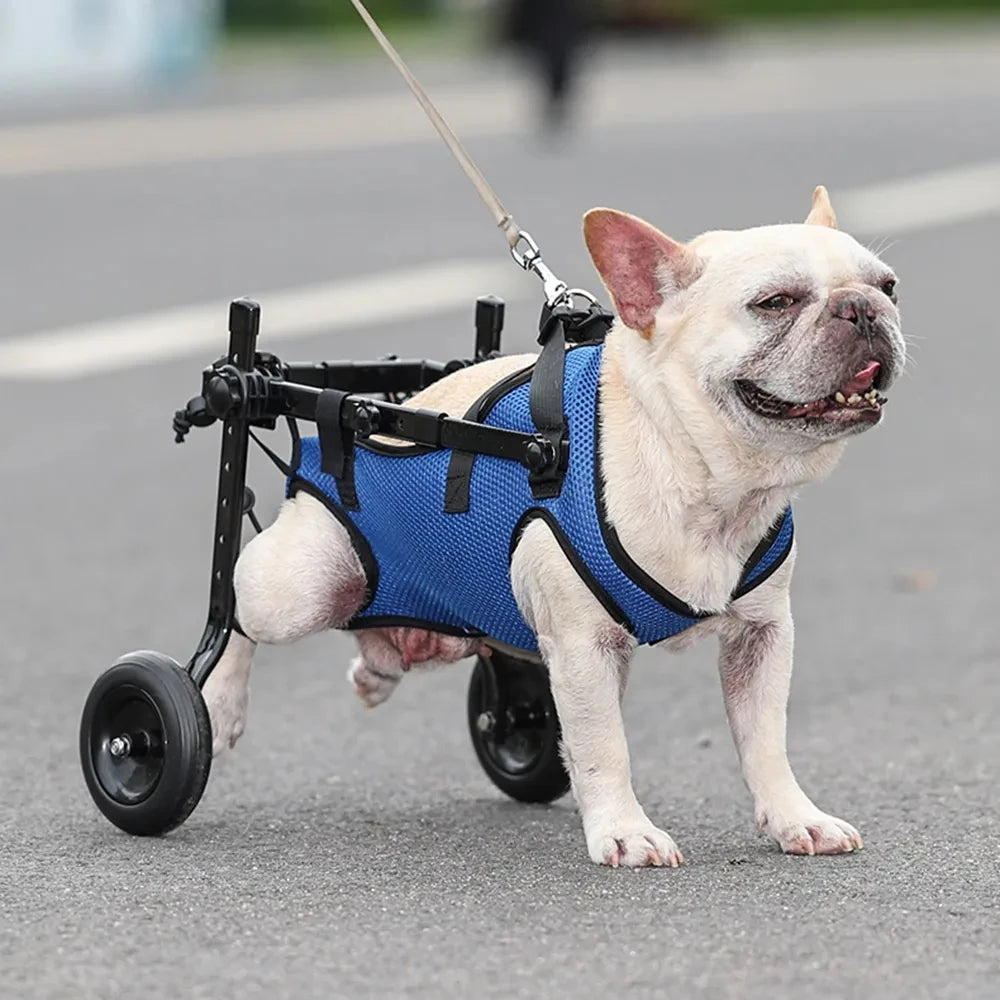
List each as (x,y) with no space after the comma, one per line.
(127,746)
(515,728)
(516,735)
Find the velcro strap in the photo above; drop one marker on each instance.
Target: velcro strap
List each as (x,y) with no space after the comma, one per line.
(334,441)
(458,483)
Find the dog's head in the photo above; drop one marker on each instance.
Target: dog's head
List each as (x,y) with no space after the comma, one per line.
(791,331)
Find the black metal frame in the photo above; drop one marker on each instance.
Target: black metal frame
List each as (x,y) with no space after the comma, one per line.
(246,389)
(244,325)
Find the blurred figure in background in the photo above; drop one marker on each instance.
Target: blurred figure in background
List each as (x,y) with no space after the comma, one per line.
(551,33)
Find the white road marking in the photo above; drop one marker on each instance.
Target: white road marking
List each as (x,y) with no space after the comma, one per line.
(725,85)
(885,209)
(338,307)
(235,133)
(921,201)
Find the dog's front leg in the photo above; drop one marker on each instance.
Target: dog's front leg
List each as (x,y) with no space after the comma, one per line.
(755,664)
(587,655)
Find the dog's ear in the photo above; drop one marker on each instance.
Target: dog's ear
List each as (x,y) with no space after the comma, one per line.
(638,264)
(821,213)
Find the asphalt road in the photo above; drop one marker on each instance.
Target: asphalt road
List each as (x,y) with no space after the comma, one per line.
(346,853)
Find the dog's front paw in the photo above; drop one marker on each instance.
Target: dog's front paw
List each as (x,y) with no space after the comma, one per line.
(811,832)
(636,844)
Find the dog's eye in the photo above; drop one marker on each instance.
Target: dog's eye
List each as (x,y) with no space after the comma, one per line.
(777,303)
(889,288)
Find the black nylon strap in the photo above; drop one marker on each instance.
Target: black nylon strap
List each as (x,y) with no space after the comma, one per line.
(333,448)
(282,465)
(458,484)
(545,401)
(336,445)
(546,398)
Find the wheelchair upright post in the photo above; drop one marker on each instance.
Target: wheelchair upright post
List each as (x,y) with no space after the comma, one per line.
(244,324)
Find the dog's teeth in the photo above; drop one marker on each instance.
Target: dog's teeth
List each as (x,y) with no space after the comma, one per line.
(840,397)
(853,399)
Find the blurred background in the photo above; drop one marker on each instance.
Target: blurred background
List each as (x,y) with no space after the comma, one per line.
(160,157)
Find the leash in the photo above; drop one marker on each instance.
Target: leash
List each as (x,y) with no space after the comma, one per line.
(523,248)
(560,323)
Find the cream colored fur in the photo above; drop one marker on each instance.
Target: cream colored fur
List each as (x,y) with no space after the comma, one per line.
(692,484)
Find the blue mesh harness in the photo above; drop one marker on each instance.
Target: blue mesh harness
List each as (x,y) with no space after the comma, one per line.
(434,566)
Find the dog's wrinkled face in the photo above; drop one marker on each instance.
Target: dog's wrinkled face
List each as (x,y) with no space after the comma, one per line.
(792,330)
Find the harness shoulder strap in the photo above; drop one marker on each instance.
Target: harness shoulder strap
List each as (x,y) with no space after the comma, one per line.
(770,553)
(545,399)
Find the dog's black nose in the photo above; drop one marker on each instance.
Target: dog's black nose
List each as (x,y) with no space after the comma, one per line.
(859,311)
(856,308)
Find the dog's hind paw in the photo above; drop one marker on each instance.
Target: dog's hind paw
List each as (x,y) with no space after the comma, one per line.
(227,710)
(371,686)
(633,845)
(227,693)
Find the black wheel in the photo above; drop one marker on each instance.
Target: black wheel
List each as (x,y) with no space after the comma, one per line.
(145,744)
(515,729)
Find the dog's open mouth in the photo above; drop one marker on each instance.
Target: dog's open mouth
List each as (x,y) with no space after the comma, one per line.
(858,399)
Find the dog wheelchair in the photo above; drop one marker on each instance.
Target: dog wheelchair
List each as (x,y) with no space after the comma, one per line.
(145,734)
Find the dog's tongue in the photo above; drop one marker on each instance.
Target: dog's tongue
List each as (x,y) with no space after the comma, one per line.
(862,382)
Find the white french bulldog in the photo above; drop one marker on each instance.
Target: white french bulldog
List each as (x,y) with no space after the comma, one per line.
(739,365)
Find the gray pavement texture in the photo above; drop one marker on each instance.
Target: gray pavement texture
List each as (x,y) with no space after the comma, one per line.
(343,853)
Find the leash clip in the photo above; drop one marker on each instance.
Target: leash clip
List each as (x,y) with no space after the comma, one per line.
(530,259)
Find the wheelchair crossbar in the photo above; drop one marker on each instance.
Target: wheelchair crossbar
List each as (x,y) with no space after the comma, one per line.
(388,375)
(365,417)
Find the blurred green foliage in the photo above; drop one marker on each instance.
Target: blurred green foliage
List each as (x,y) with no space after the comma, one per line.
(826,8)
(318,13)
(338,13)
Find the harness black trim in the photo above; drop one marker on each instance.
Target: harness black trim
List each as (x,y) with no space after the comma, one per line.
(642,579)
(368,561)
(390,621)
(582,570)
(745,585)
(615,548)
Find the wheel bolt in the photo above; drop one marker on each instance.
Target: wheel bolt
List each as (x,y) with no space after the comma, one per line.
(486,722)
(120,746)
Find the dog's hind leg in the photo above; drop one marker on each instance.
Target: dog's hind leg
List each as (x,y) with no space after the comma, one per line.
(298,576)
(385,654)
(377,669)
(227,693)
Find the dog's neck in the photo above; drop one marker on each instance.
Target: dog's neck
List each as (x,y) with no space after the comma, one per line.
(688,499)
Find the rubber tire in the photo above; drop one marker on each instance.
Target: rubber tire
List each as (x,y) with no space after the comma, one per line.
(163,689)
(545,780)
